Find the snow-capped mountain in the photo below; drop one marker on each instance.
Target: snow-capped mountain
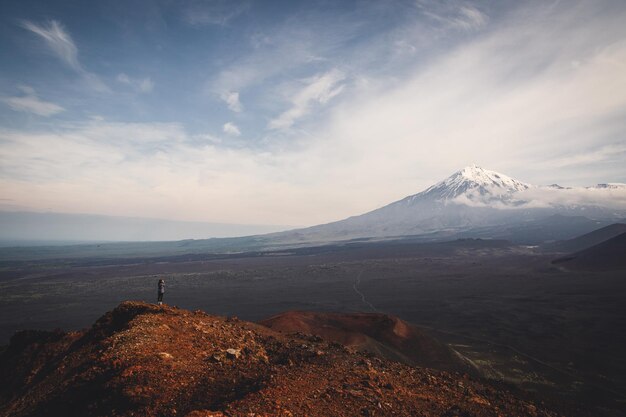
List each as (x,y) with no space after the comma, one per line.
(475,198)
(473,186)
(479,187)
(474,181)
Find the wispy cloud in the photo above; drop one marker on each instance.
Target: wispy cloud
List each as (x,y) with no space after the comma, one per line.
(316,90)
(301,41)
(58,40)
(142,85)
(212,12)
(60,168)
(231,98)
(62,45)
(231,129)
(30,103)
(508,98)
(604,153)
(454,14)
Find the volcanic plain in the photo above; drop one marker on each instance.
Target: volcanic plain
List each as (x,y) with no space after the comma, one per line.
(517,318)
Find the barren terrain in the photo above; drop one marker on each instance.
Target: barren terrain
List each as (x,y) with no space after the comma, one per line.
(517,317)
(148,360)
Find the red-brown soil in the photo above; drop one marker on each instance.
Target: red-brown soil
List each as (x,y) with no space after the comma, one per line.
(145,360)
(381,334)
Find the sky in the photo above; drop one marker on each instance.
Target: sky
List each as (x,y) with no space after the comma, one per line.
(300,112)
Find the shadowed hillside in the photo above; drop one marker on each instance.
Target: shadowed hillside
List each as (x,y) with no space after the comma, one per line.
(606,256)
(588,240)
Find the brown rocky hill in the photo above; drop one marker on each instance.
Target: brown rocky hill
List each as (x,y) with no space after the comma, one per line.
(145,360)
(381,334)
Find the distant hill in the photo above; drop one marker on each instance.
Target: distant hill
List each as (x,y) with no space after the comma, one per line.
(588,240)
(381,334)
(606,256)
(146,360)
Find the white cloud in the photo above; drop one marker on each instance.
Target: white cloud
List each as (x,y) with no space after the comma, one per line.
(123,78)
(231,129)
(212,12)
(204,138)
(58,40)
(231,98)
(142,169)
(319,89)
(453,14)
(576,196)
(297,42)
(62,45)
(613,197)
(470,18)
(144,85)
(26,89)
(614,151)
(31,103)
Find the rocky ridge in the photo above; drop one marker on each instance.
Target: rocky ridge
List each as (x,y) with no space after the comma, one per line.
(146,360)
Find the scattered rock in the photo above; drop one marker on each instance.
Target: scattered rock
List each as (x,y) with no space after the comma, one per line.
(217,357)
(165,355)
(205,413)
(233,353)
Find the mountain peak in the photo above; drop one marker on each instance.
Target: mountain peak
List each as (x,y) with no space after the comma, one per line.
(473,181)
(473,168)
(482,176)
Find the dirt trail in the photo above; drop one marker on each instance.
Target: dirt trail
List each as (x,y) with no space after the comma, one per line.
(355,286)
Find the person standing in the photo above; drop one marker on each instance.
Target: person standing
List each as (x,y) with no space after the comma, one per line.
(161,292)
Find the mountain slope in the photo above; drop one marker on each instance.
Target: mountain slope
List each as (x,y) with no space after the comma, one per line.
(589,239)
(609,255)
(145,360)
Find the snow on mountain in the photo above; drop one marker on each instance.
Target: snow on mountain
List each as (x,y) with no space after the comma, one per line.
(475,180)
(474,186)
(479,187)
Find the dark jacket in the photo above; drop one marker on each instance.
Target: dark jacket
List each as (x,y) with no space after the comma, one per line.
(161,287)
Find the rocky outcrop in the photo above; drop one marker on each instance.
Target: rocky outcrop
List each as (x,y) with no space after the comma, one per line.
(147,360)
